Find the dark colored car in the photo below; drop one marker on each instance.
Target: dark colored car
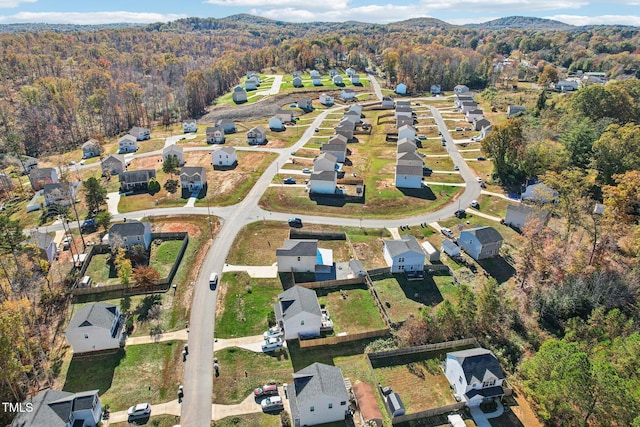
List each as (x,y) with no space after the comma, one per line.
(427,171)
(289,181)
(295,222)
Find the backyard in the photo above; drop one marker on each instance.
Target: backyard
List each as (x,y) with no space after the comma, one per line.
(351,308)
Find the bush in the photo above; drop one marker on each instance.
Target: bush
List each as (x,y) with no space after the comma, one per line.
(129,325)
(285,421)
(271,318)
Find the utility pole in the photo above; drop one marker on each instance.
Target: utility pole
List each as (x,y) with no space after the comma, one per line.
(209,219)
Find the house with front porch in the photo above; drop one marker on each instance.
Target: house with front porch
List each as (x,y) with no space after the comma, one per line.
(127,144)
(475,375)
(137,180)
(257,136)
(189,126)
(193,178)
(215,135)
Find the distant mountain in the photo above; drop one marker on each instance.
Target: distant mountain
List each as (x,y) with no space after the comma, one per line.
(523,23)
(422,23)
(60,28)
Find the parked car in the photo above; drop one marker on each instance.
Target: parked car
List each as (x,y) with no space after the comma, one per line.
(456,168)
(306,170)
(88,224)
(273,403)
(272,344)
(474,204)
(479,180)
(140,410)
(481,158)
(289,180)
(66,242)
(317,129)
(458,129)
(460,213)
(274,332)
(295,222)
(447,232)
(467,128)
(475,138)
(213,280)
(266,390)
(422,137)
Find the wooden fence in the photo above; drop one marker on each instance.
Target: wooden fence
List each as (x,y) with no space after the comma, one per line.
(423,348)
(428,413)
(316,234)
(379,271)
(316,342)
(332,283)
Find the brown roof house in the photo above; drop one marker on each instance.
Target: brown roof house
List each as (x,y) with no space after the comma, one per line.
(41,176)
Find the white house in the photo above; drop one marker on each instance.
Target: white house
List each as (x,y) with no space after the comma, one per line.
(326,99)
(325,162)
(314,73)
(337,146)
(345,129)
(298,256)
(401,89)
(458,99)
(403,255)
(316,80)
(276,124)
(512,110)
(475,375)
(239,95)
(472,115)
(567,85)
(215,135)
(127,144)
(225,156)
(485,131)
(318,395)
(298,312)
(480,242)
(337,80)
(95,327)
(460,89)
(435,89)
(140,133)
(408,176)
(53,408)
(350,72)
(59,193)
(519,215)
(347,94)
(388,102)
(193,178)
(403,110)
(91,148)
(189,126)
(466,106)
(45,245)
(323,182)
(355,79)
(251,83)
(407,131)
(173,150)
(130,233)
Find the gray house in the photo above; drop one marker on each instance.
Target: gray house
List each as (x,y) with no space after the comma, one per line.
(257,136)
(113,164)
(480,242)
(132,232)
(95,327)
(91,148)
(136,180)
(193,178)
(512,110)
(298,313)
(53,408)
(215,135)
(519,215)
(140,133)
(318,395)
(45,244)
(227,125)
(239,95)
(58,194)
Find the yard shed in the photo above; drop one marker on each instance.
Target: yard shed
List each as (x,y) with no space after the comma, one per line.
(367,404)
(394,404)
(450,248)
(433,254)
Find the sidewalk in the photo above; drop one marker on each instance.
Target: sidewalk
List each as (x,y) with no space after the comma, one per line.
(181,335)
(256,271)
(481,419)
(394,233)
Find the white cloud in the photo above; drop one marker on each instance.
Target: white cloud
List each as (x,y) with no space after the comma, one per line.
(285,4)
(510,7)
(8,4)
(597,20)
(371,13)
(89,18)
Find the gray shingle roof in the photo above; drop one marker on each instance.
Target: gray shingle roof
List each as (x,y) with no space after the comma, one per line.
(298,247)
(407,243)
(114,158)
(338,139)
(99,314)
(323,176)
(296,300)
(409,158)
(127,138)
(42,415)
(476,362)
(406,146)
(317,380)
(188,172)
(172,147)
(409,170)
(486,234)
(228,150)
(143,175)
(41,240)
(129,228)
(211,130)
(326,156)
(521,208)
(41,173)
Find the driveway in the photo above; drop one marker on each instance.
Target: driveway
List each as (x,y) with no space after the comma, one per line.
(113,199)
(481,419)
(257,271)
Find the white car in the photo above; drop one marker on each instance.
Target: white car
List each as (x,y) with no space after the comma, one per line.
(272,344)
(274,332)
(272,403)
(139,410)
(447,232)
(474,204)
(479,180)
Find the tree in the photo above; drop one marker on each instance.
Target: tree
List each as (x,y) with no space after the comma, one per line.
(467,308)
(541,104)
(617,151)
(153,187)
(572,186)
(578,140)
(144,275)
(95,194)
(506,146)
(549,75)
(170,164)
(123,266)
(11,235)
(103,219)
(489,306)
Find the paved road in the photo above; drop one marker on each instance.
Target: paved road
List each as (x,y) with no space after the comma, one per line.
(376,86)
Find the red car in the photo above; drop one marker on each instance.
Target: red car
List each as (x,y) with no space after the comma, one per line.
(266,390)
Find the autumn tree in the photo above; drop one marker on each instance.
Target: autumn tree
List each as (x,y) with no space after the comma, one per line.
(506,146)
(571,186)
(144,275)
(549,75)
(123,266)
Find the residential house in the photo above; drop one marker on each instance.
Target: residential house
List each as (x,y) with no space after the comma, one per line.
(326,99)
(355,108)
(95,327)
(239,95)
(460,89)
(316,80)
(472,115)
(347,94)
(173,150)
(297,309)
(257,136)
(337,80)
(401,89)
(189,126)
(409,158)
(480,123)
(140,133)
(41,176)
(337,146)
(318,395)
(127,144)
(90,149)
(475,375)
(435,89)
(466,106)
(113,164)
(251,83)
(296,74)
(286,116)
(480,242)
(406,145)
(305,104)
(407,131)
(354,116)
(59,194)
(404,120)
(225,156)
(298,256)
(252,73)
(485,131)
(346,128)
(388,102)
(408,176)
(512,110)
(227,125)
(314,73)
(458,99)
(136,180)
(350,72)
(325,162)
(130,233)
(405,254)
(276,124)
(367,404)
(403,111)
(215,135)
(519,215)
(403,103)
(323,182)
(193,178)
(333,73)
(297,82)
(53,408)
(355,79)
(539,193)
(567,85)
(45,245)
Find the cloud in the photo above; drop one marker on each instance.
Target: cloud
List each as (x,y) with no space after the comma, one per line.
(514,7)
(285,4)
(597,20)
(89,18)
(371,13)
(8,4)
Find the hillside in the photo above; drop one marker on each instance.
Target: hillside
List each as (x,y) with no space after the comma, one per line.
(522,23)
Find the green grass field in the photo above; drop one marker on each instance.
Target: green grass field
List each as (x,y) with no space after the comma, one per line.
(353,314)
(164,255)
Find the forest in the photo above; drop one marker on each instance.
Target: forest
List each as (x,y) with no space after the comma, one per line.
(575,294)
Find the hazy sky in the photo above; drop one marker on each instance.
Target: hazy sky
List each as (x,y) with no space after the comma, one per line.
(576,12)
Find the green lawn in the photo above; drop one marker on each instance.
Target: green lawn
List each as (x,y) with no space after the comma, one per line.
(250,420)
(102,272)
(164,255)
(354,314)
(241,371)
(406,297)
(141,373)
(154,421)
(247,303)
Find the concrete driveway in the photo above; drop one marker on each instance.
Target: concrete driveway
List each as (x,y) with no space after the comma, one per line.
(257,271)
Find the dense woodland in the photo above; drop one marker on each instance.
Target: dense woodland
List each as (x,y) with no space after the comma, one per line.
(575,294)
